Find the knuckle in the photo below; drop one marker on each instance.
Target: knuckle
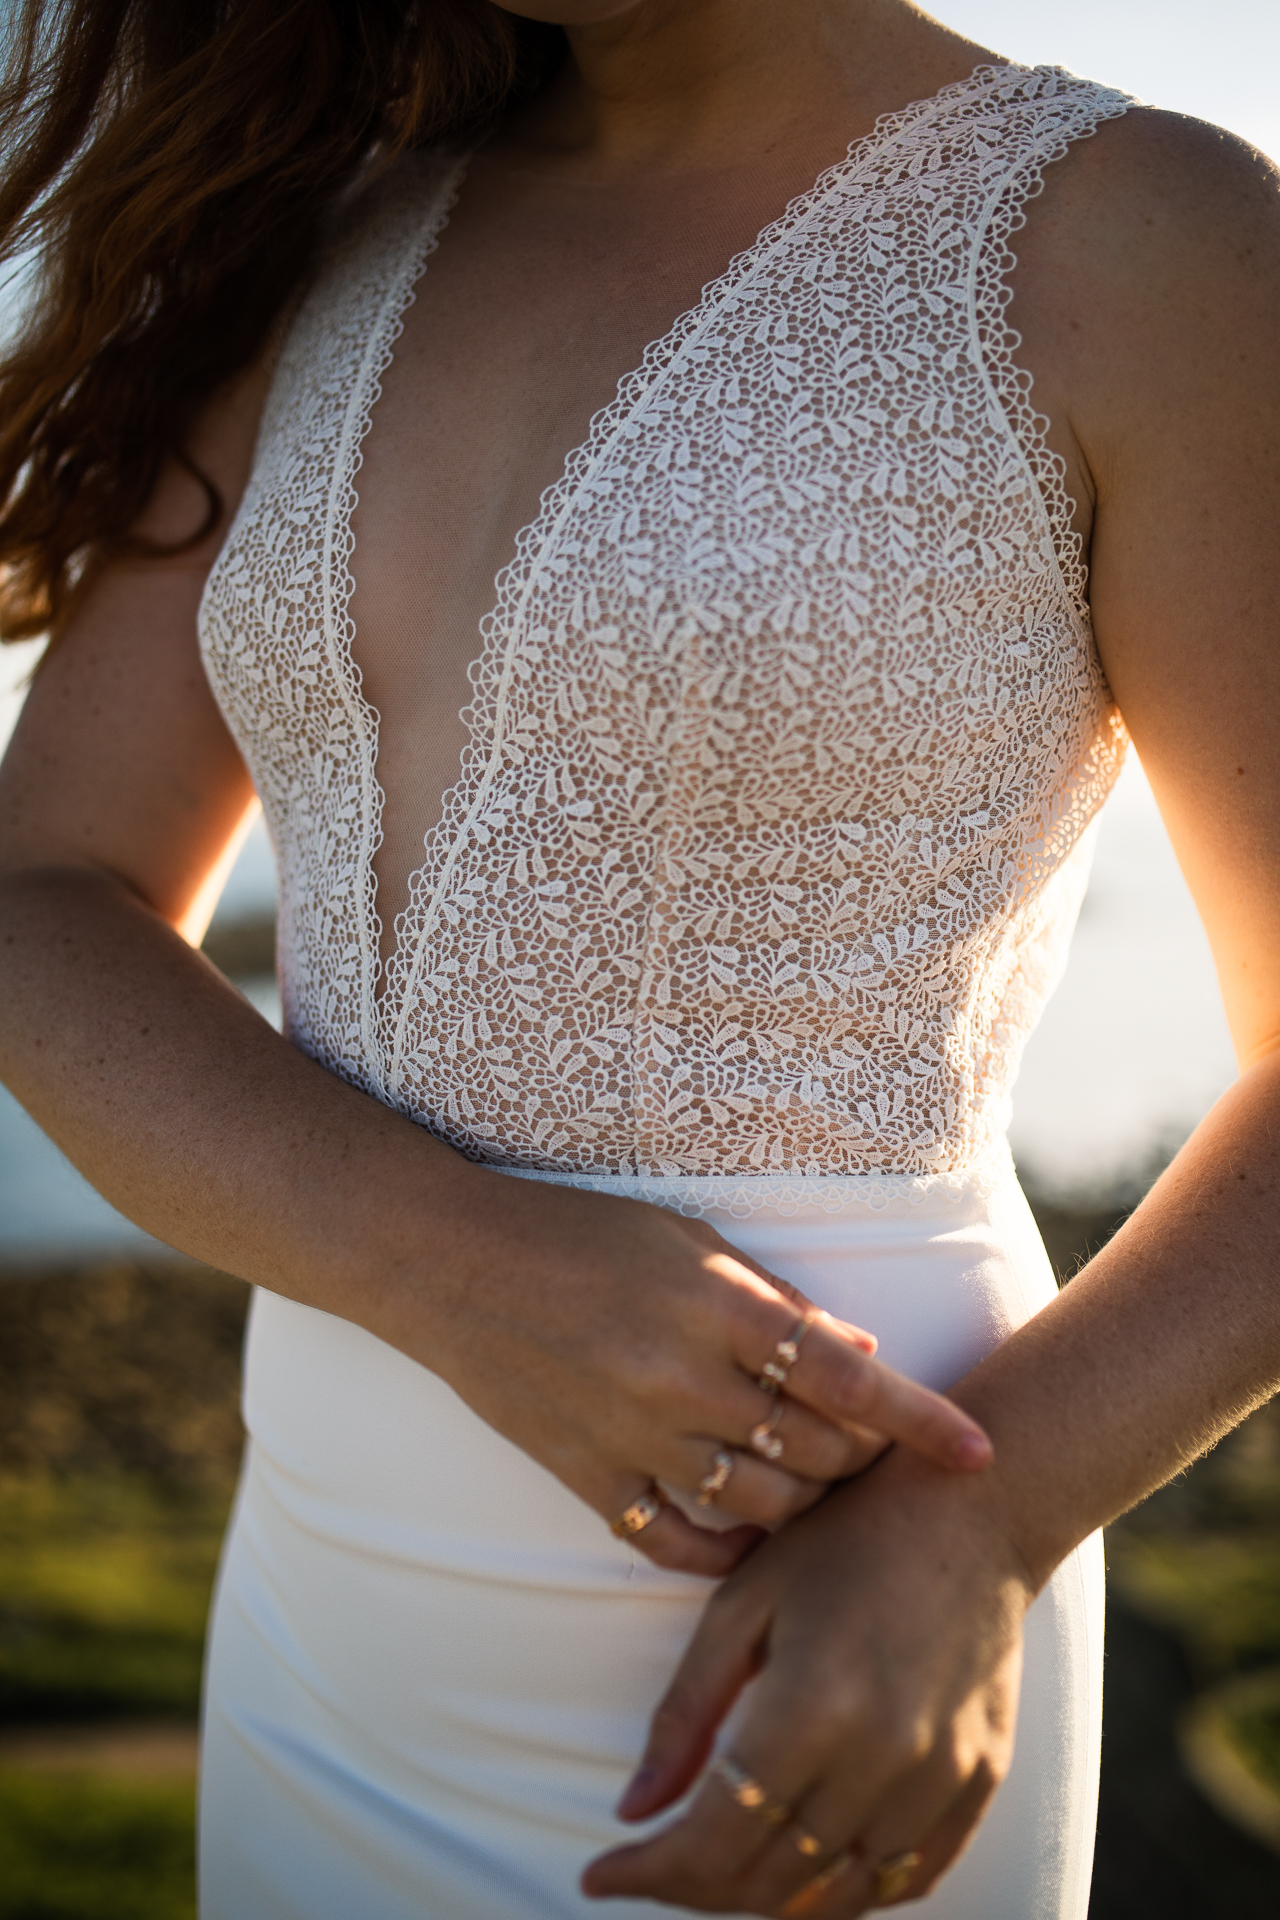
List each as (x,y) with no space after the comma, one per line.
(856,1386)
(828,1454)
(675,1556)
(864,1449)
(821,1710)
(777,1498)
(951,1767)
(899,1733)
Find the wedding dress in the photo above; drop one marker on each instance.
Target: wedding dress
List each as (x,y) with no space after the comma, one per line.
(787,736)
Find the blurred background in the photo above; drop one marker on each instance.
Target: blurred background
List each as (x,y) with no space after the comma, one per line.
(119,1361)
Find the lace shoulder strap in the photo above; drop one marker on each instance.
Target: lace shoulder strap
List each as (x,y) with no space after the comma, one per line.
(1035,117)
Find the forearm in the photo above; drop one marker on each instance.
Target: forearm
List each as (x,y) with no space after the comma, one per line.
(1159,1346)
(196,1119)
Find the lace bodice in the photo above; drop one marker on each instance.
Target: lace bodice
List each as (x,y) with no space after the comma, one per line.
(787,727)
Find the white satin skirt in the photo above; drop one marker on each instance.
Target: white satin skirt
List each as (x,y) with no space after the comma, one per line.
(431,1667)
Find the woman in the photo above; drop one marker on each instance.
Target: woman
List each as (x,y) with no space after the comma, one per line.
(700,1013)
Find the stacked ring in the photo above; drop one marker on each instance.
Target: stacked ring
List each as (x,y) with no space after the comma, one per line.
(748,1792)
(764,1437)
(815,1888)
(640,1514)
(773,1375)
(717,1479)
(889,1879)
(893,1876)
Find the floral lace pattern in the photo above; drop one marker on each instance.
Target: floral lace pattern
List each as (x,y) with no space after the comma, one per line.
(787,727)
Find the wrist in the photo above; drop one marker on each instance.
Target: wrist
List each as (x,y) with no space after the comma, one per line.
(974,1515)
(406,1277)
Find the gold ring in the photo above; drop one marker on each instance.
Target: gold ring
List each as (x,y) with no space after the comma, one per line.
(808,1843)
(748,1792)
(773,1375)
(813,1890)
(893,1876)
(765,1437)
(717,1479)
(640,1514)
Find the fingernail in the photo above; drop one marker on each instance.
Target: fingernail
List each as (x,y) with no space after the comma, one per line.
(638,1790)
(973,1450)
(867,1342)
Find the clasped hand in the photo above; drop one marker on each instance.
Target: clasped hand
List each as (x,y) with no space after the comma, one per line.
(621,1345)
(884,1634)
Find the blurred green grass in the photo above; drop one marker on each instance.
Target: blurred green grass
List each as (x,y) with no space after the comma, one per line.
(1256,1737)
(104,1592)
(95,1848)
(1219,1593)
(119,1438)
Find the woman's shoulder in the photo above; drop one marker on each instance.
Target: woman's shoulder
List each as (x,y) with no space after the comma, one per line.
(1159,193)
(1152,262)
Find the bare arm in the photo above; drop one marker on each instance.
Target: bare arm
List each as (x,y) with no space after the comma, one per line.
(891,1613)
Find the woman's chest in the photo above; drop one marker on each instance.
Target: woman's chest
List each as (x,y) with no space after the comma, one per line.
(538,300)
(810,529)
(792,650)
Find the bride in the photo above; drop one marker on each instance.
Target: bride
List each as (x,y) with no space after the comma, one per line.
(660,928)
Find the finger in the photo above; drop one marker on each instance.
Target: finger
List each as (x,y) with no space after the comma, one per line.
(932,1812)
(841,1887)
(950,1835)
(670,1540)
(785,1745)
(729,1263)
(791,1436)
(673,1542)
(724,1653)
(763,1494)
(771,1308)
(706,1859)
(837,1380)
(685,1865)
(826,1827)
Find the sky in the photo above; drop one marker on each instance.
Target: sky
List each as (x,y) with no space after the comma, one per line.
(1218,62)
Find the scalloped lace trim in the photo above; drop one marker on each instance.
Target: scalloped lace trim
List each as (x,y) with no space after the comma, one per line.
(340,626)
(999,342)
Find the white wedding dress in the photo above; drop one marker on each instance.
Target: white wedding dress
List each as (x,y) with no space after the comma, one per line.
(787,736)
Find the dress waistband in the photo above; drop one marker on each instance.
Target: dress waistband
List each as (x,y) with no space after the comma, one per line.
(741,1194)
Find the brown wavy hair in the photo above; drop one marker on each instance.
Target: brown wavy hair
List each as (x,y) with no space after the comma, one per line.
(169,164)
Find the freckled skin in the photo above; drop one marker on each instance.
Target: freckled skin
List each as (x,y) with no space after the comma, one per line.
(1147,295)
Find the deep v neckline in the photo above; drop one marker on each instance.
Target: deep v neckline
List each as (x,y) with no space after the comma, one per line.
(384,1013)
